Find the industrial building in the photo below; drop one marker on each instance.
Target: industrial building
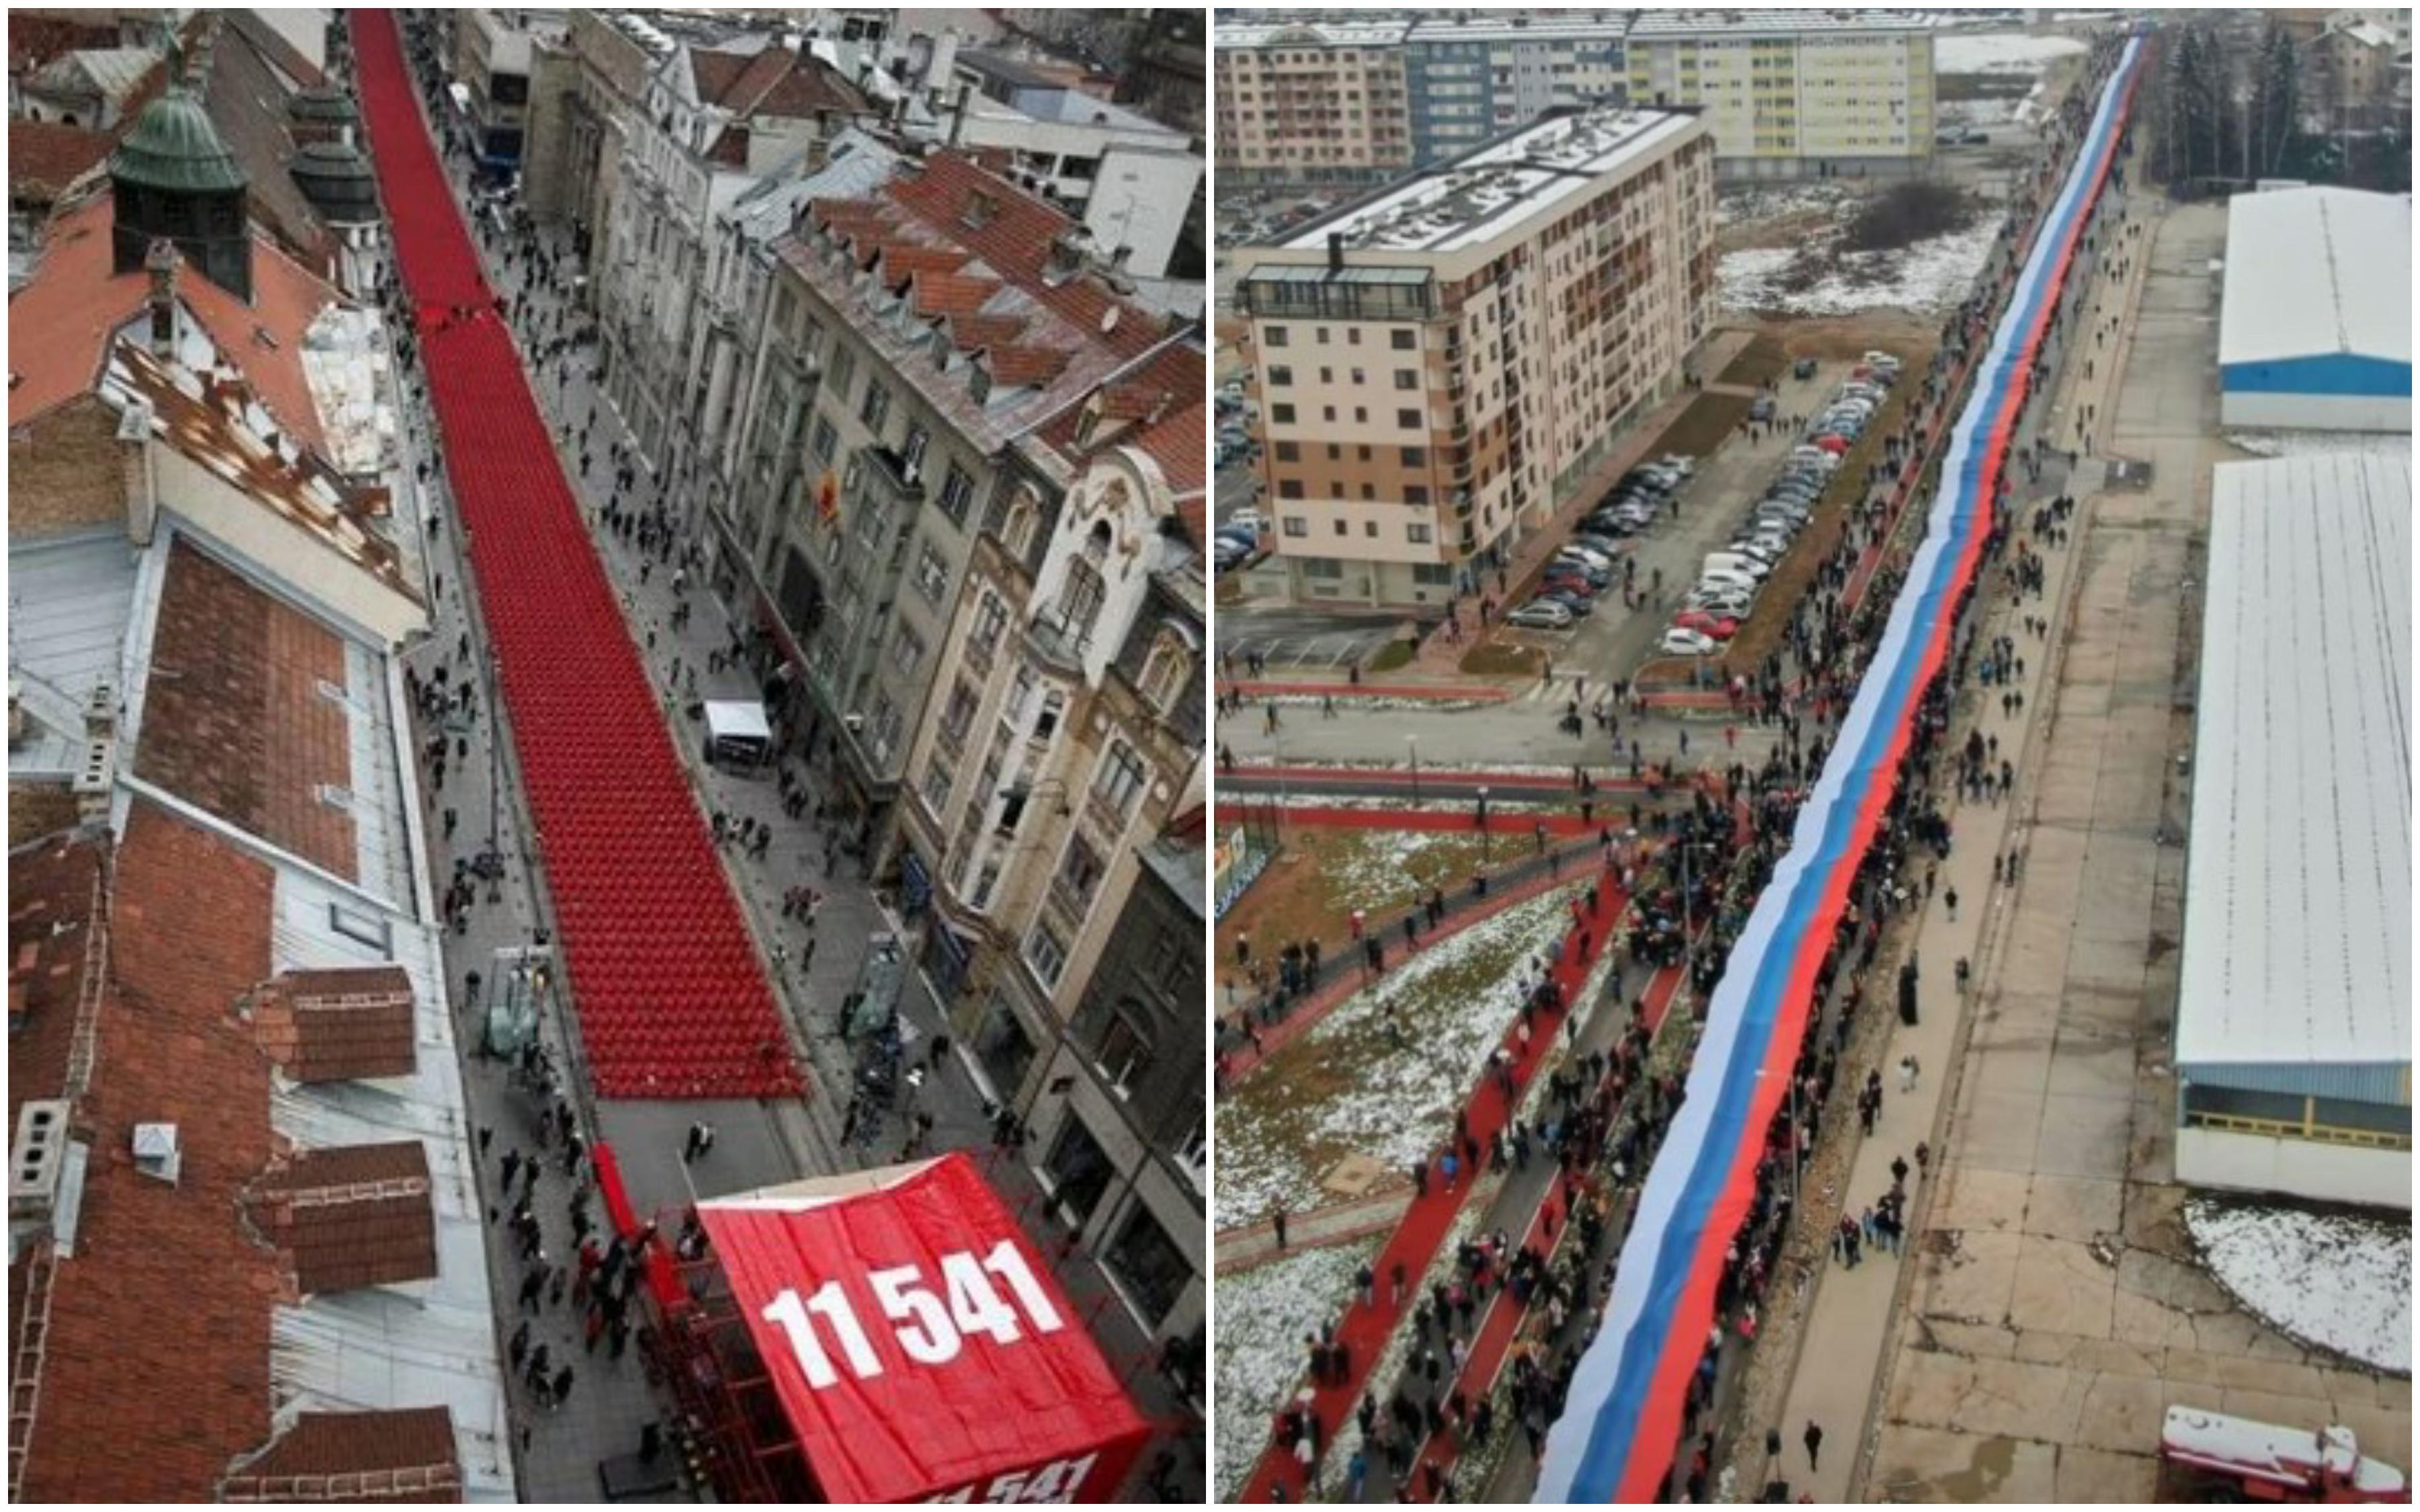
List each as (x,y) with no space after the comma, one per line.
(2315,326)
(2293,1049)
(1440,360)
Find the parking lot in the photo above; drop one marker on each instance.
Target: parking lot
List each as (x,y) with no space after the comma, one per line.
(1612,642)
(1314,643)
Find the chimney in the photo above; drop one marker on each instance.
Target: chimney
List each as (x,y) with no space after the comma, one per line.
(959,114)
(1336,252)
(134,471)
(160,263)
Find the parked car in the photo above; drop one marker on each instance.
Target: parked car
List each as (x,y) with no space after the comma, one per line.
(1803,368)
(1250,519)
(1579,604)
(1707,623)
(1679,643)
(1541,614)
(1761,408)
(1577,550)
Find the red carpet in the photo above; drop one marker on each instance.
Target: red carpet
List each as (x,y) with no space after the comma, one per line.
(1515,833)
(1446,693)
(1530,785)
(672,997)
(1424,1224)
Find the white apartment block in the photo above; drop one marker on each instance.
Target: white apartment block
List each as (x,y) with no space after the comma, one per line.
(1439,363)
(1795,93)
(1787,93)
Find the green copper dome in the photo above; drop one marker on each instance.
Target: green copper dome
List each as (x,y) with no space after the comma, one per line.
(173,147)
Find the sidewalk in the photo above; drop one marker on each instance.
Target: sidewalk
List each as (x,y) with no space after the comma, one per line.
(1841,1346)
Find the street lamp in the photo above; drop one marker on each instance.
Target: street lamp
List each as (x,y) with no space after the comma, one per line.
(1414,741)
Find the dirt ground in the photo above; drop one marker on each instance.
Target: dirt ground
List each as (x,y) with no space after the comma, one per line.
(1310,889)
(1704,425)
(1760,361)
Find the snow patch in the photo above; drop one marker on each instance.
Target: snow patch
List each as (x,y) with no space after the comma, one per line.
(1266,1315)
(2000,53)
(1931,276)
(2341,1283)
(1393,1103)
(2316,442)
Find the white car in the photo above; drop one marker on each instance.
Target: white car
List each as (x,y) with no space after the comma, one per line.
(1541,614)
(1593,558)
(1676,462)
(1250,519)
(1679,643)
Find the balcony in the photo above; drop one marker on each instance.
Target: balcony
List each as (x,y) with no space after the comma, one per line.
(887,467)
(1060,643)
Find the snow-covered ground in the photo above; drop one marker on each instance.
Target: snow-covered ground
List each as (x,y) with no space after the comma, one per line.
(1346,1089)
(1386,862)
(2340,1283)
(1930,277)
(2316,442)
(1765,202)
(1264,1315)
(1999,51)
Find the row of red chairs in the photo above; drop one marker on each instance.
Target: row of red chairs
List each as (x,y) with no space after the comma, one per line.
(665,973)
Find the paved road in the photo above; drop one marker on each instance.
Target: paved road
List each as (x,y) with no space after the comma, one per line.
(757,1144)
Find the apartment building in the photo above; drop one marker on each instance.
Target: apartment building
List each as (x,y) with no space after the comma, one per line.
(492,56)
(1785,93)
(925,335)
(1440,361)
(1050,851)
(1795,93)
(1313,105)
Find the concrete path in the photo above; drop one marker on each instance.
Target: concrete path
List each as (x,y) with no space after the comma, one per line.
(1839,1345)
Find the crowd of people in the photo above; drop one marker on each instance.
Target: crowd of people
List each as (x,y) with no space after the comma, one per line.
(1803,691)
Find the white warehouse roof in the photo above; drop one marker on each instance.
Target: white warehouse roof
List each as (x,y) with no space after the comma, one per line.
(2298,880)
(2314,272)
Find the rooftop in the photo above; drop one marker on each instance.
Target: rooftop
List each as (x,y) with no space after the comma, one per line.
(1654,24)
(70,598)
(1488,191)
(2297,886)
(62,321)
(181,1346)
(2320,271)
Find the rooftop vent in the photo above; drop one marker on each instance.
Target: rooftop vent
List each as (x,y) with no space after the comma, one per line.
(34,1157)
(157,1153)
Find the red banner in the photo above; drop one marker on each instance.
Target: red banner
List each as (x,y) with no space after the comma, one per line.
(920,1347)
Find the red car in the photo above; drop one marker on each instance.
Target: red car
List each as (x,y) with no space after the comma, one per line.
(1568,582)
(1719,627)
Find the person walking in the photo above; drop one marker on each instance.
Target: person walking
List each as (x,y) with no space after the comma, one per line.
(1950,896)
(1814,1438)
(700,1140)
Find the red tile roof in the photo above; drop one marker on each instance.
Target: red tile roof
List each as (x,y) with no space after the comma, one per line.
(155,1371)
(35,41)
(45,157)
(54,901)
(1015,240)
(61,324)
(209,427)
(351,1218)
(338,1026)
(155,1374)
(356,1456)
(233,719)
(951,294)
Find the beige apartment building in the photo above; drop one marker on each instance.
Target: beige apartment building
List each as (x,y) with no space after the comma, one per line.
(1795,93)
(1314,104)
(1440,362)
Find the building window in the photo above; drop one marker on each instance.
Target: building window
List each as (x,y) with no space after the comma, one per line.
(1150,1269)
(1407,378)
(939,779)
(1079,600)
(1416,494)
(1274,336)
(906,651)
(1418,534)
(1280,378)
(912,452)
(1121,778)
(1080,872)
(932,575)
(1003,1048)
(1296,526)
(1415,456)
(1077,1170)
(1404,341)
(824,441)
(1045,954)
(1126,1052)
(1288,452)
(877,408)
(957,492)
(1409,419)
(991,617)
(1289,487)
(1282,414)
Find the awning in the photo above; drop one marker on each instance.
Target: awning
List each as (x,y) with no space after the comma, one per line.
(922,1348)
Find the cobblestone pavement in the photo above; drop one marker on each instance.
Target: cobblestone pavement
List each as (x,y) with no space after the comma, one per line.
(756,1143)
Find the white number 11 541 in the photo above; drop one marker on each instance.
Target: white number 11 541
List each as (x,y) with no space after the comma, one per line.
(930,1330)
